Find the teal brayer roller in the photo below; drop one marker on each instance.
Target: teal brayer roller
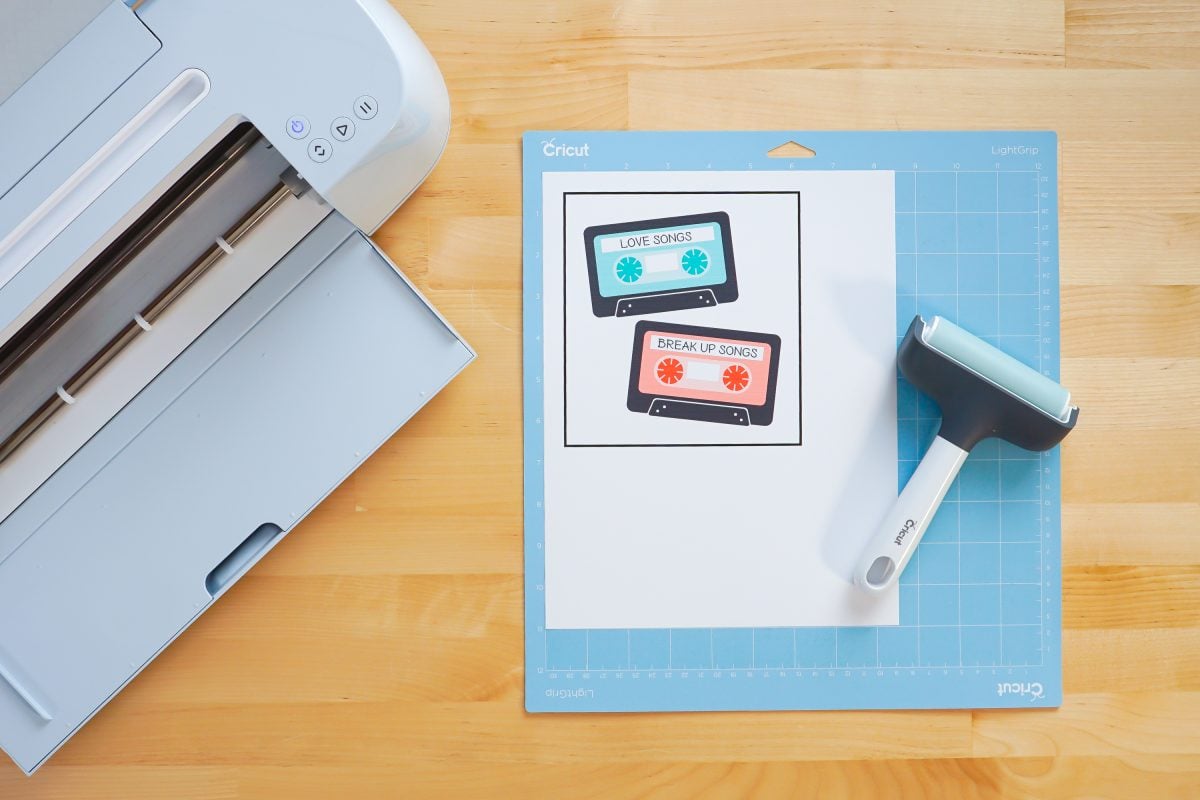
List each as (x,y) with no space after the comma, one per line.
(982,393)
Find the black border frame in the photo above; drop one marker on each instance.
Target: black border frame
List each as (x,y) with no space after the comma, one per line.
(799,316)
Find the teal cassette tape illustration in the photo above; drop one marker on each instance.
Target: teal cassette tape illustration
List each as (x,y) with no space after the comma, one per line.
(664,264)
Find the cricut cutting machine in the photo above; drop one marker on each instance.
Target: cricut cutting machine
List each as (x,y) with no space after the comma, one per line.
(198,341)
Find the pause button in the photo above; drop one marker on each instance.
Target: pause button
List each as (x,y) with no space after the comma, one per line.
(365,107)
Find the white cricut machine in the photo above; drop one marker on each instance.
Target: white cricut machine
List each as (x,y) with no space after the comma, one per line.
(197,340)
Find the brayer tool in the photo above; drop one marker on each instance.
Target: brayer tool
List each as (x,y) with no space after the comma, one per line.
(982,393)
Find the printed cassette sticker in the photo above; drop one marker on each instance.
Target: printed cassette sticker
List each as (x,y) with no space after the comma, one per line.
(664,264)
(703,374)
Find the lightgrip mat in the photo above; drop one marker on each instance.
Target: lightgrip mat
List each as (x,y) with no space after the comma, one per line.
(980,622)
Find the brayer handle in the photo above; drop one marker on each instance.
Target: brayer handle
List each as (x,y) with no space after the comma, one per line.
(896,539)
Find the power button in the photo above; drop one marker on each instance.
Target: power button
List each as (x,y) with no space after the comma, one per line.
(297,127)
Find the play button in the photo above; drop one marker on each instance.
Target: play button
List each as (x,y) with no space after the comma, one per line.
(342,129)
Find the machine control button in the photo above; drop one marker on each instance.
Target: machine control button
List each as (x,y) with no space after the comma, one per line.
(319,150)
(342,129)
(297,127)
(366,107)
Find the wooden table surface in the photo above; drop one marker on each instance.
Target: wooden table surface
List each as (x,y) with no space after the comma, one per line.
(377,652)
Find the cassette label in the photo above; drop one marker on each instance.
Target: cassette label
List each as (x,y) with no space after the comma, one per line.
(642,241)
(660,264)
(704,369)
(705,347)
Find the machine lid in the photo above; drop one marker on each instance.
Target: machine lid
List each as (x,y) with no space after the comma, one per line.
(33,32)
(226,450)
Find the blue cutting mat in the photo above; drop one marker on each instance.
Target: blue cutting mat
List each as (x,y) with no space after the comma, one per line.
(980,622)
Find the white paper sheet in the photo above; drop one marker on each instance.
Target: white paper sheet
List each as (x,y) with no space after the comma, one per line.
(665,522)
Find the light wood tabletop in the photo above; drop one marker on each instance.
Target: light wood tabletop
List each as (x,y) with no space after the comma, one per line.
(377,652)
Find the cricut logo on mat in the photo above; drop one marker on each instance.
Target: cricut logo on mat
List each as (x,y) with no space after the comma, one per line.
(551,150)
(1034,690)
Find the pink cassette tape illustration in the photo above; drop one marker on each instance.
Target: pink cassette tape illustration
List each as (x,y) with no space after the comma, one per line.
(703,374)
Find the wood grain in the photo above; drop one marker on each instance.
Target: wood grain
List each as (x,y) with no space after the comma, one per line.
(377,652)
(1114,33)
(1106,105)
